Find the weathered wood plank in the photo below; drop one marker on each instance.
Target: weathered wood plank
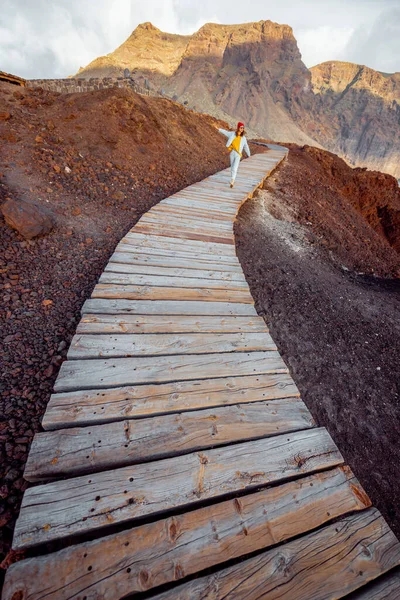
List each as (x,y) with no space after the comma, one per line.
(158,344)
(325,565)
(89,449)
(209,225)
(146,292)
(169,324)
(165,212)
(167,307)
(116,372)
(88,407)
(158,553)
(173,262)
(167,242)
(163,281)
(385,588)
(83,504)
(231,276)
(201,203)
(186,233)
(222,259)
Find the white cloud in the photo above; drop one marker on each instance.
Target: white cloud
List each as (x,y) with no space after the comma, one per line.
(379,45)
(322,43)
(53,38)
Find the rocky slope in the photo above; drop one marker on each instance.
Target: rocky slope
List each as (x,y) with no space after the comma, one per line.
(254,72)
(359,113)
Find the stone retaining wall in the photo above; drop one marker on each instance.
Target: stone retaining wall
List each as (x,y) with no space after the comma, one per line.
(69,86)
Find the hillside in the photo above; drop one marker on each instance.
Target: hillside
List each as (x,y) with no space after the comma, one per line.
(94,163)
(254,72)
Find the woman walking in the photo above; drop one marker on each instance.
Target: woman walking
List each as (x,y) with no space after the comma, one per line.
(236,144)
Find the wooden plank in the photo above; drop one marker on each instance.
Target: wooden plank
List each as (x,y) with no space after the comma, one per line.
(165,324)
(88,449)
(231,276)
(167,242)
(209,225)
(161,344)
(200,203)
(151,555)
(325,565)
(167,307)
(146,292)
(221,259)
(88,407)
(116,372)
(63,508)
(164,281)
(173,262)
(186,233)
(194,213)
(385,588)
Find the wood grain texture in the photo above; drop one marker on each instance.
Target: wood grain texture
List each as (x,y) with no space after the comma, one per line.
(167,324)
(152,555)
(187,233)
(208,264)
(166,211)
(173,262)
(228,258)
(207,225)
(385,588)
(146,292)
(61,509)
(115,372)
(324,565)
(167,307)
(88,449)
(88,407)
(165,242)
(171,272)
(161,344)
(178,282)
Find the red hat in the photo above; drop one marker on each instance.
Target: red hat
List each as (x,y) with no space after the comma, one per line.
(240,125)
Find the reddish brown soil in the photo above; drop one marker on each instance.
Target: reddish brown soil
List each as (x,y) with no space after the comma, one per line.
(126,152)
(302,244)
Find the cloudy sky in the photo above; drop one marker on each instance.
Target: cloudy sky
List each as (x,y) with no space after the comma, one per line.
(53,38)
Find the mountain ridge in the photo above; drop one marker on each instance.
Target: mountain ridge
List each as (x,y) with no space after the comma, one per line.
(254,71)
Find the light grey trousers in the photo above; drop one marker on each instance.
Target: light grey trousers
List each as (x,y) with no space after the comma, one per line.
(235,160)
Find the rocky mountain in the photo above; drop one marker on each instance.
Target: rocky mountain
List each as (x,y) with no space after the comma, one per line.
(359,112)
(254,72)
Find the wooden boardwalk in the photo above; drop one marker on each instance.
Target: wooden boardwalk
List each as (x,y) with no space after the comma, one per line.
(178,461)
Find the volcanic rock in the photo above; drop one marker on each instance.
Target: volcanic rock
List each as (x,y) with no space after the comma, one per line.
(30,220)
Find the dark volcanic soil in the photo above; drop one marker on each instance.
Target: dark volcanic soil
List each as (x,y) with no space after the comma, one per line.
(338,331)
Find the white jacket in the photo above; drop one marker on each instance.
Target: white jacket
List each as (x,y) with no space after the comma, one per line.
(231,136)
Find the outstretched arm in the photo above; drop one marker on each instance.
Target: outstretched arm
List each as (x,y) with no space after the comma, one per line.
(225,132)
